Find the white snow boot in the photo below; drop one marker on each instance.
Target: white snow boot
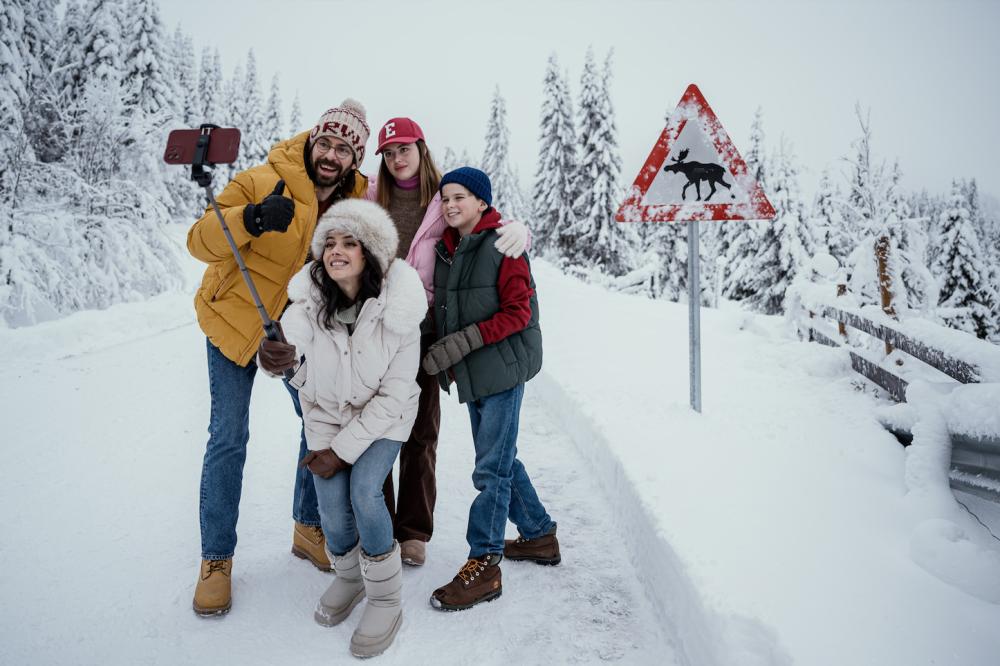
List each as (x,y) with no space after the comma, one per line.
(384,612)
(345,592)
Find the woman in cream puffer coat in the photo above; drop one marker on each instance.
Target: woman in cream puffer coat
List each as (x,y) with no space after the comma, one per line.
(355,324)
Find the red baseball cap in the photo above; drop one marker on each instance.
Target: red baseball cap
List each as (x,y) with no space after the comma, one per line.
(398,130)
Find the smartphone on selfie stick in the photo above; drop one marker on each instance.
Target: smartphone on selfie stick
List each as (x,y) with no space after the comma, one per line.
(205,147)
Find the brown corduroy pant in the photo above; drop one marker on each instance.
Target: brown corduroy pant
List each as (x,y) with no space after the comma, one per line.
(413,514)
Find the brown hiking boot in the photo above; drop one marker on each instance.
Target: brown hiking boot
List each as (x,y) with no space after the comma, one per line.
(309,543)
(213,594)
(541,550)
(477,581)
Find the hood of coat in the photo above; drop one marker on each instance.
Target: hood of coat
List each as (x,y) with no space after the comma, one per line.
(404,304)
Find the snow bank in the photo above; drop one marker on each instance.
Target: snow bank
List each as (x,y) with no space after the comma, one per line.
(701,635)
(947,541)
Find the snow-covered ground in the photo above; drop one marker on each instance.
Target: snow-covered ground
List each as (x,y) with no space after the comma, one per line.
(774,528)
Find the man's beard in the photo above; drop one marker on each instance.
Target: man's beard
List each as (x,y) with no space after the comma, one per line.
(324,180)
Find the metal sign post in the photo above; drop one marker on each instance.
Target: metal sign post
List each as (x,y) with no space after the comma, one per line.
(694,173)
(694,316)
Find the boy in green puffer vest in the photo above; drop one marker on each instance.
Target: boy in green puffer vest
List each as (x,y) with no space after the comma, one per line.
(489,344)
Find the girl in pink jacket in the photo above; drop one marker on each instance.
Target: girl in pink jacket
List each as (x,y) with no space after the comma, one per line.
(407,187)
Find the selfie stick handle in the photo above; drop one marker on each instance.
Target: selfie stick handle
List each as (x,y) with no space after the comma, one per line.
(204,178)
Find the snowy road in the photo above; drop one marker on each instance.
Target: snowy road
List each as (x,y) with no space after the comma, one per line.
(105,419)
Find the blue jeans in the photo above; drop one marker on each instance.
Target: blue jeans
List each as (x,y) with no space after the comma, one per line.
(505,491)
(226,452)
(351,504)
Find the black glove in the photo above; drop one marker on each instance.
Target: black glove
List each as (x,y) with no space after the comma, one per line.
(274,213)
(323,464)
(276,356)
(451,349)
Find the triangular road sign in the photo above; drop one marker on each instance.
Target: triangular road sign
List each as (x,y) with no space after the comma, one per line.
(694,172)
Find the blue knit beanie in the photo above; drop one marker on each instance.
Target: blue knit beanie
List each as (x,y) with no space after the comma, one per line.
(471,179)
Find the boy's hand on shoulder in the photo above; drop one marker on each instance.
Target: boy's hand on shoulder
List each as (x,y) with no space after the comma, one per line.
(451,349)
(512,239)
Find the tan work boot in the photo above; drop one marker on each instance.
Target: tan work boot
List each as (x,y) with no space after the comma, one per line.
(414,552)
(213,594)
(309,543)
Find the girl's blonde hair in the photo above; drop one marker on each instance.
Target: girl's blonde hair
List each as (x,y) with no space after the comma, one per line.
(430,178)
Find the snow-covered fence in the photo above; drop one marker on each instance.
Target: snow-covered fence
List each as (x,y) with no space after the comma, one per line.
(958,356)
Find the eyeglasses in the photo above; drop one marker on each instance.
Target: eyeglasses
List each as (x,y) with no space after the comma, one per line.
(342,151)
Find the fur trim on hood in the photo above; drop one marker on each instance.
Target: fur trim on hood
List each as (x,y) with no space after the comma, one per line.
(366,221)
(402,293)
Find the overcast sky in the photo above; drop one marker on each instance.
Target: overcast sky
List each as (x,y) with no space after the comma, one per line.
(928,70)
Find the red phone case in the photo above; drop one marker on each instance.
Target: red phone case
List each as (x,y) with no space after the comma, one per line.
(223,147)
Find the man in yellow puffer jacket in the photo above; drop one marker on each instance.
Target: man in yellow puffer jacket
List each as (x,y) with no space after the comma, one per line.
(271,211)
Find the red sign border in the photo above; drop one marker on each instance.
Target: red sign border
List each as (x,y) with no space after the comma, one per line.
(632,209)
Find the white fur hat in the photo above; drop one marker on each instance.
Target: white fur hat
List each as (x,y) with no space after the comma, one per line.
(366,221)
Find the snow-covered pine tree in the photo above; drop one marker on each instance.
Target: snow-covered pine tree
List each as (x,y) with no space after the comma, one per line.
(272,118)
(102,29)
(466,159)
(966,296)
(595,240)
(185,79)
(738,241)
(232,102)
(210,89)
(556,173)
(507,196)
(295,120)
(144,53)
(874,208)
(13,92)
(254,144)
(784,244)
(40,43)
(449,161)
(837,238)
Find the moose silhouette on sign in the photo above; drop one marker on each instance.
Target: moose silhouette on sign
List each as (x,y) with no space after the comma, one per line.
(697,172)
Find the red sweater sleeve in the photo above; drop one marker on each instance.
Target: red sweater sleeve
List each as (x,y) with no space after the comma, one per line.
(514,285)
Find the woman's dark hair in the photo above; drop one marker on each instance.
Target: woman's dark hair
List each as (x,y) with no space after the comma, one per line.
(333,299)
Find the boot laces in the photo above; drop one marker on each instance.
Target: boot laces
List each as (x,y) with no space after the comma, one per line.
(470,570)
(216,566)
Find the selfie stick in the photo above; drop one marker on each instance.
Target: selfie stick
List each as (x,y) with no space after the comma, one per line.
(204,178)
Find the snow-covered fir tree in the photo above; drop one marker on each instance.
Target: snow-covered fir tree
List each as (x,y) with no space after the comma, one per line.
(967,298)
(507,196)
(210,89)
(738,241)
(249,112)
(784,244)
(232,104)
(295,119)
(556,172)
(874,208)
(185,80)
(448,160)
(144,54)
(271,130)
(13,93)
(827,217)
(595,240)
(102,46)
(465,159)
